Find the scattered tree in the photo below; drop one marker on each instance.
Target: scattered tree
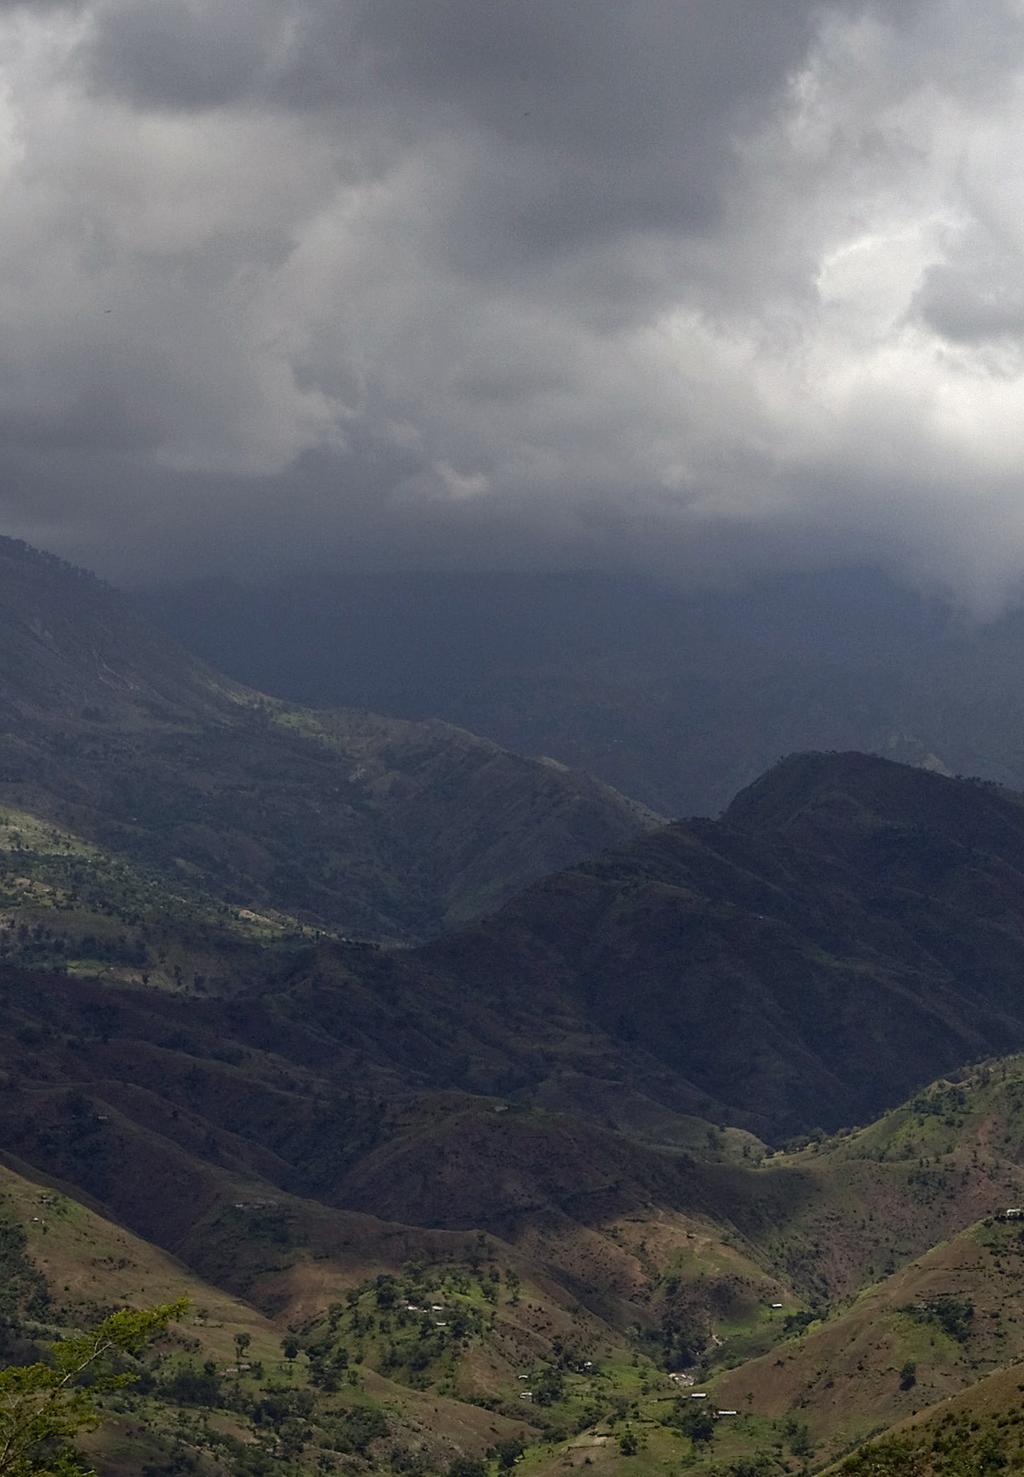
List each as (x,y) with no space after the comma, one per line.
(44,1406)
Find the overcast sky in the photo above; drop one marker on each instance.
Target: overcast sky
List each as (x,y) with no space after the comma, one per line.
(681,284)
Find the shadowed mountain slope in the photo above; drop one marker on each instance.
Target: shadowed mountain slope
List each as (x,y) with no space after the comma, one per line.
(716,970)
(374,826)
(850,929)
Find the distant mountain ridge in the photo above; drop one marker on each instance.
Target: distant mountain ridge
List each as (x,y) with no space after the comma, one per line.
(679,696)
(378,827)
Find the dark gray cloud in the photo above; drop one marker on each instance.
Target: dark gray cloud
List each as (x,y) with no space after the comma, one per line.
(573,127)
(183,56)
(691,286)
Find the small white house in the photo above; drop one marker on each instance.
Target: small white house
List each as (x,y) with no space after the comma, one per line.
(1015,1213)
(776,1305)
(698,1394)
(726,1412)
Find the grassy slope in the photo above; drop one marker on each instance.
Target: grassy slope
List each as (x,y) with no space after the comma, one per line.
(921,1173)
(674,1258)
(848,1376)
(294,1257)
(976,1433)
(952,1307)
(69,905)
(90,1265)
(914,1195)
(697,1288)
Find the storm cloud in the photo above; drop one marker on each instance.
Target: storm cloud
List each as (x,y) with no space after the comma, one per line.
(677,284)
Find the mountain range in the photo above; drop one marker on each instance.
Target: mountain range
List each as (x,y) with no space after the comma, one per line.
(483,1117)
(373,826)
(679,696)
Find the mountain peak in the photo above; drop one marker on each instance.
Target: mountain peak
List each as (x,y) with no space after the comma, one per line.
(854,792)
